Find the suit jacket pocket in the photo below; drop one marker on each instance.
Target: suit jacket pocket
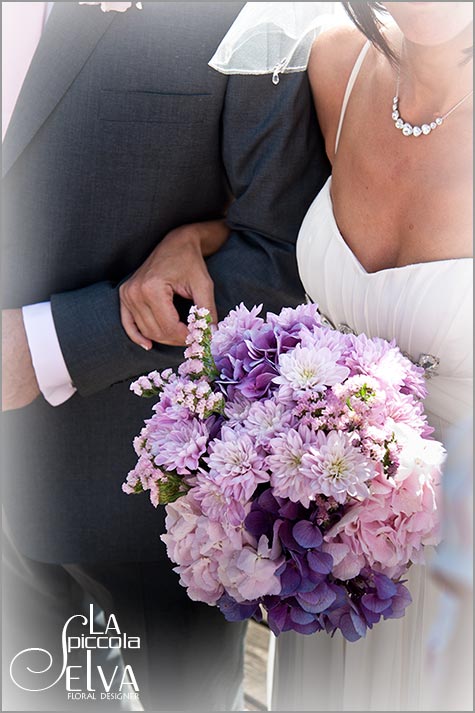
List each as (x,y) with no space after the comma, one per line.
(154,107)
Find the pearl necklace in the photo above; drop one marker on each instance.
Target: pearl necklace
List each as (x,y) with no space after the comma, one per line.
(424,129)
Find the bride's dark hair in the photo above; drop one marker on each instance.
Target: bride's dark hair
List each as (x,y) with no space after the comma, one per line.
(365,16)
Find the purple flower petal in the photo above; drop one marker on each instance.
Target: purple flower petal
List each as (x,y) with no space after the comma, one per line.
(307,628)
(290,581)
(299,616)
(385,587)
(266,501)
(258,523)
(320,562)
(315,578)
(347,628)
(341,599)
(370,617)
(358,623)
(277,618)
(307,535)
(318,600)
(287,539)
(291,510)
(236,611)
(374,603)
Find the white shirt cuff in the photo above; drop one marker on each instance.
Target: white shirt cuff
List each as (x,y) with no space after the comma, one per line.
(48,362)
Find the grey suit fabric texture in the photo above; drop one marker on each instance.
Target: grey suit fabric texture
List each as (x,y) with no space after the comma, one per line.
(122,132)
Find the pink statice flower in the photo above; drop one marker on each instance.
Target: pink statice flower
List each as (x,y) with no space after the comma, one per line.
(198,398)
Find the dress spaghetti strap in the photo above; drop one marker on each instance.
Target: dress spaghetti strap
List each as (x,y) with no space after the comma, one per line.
(349,87)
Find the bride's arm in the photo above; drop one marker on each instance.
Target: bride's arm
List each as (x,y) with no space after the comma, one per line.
(176,266)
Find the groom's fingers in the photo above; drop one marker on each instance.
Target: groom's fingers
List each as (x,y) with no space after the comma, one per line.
(170,329)
(132,330)
(203,295)
(148,311)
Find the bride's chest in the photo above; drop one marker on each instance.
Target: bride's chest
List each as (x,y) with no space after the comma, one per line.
(403,204)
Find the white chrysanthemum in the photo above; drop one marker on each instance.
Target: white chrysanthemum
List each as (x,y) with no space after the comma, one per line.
(309,369)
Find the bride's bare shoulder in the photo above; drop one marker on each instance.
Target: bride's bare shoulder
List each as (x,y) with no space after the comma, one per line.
(331,61)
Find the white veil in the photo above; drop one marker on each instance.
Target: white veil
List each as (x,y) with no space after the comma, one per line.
(273,37)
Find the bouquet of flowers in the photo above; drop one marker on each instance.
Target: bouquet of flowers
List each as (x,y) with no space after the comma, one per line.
(296,468)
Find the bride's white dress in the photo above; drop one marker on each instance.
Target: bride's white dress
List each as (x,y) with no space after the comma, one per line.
(427,308)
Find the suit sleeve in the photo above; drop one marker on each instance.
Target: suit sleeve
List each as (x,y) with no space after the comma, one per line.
(275,161)
(96,349)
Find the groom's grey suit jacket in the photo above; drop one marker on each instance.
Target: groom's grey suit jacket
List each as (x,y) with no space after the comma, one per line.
(121,133)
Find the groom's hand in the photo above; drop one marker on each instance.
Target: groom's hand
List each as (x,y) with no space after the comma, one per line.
(19,384)
(175,267)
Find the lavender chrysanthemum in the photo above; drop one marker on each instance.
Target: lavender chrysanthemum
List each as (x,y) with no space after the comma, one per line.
(306,369)
(288,479)
(216,501)
(266,419)
(239,466)
(180,447)
(233,328)
(337,469)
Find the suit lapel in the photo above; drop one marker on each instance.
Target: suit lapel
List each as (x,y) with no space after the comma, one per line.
(70,36)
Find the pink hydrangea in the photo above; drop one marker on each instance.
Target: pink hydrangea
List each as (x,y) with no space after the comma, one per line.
(250,573)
